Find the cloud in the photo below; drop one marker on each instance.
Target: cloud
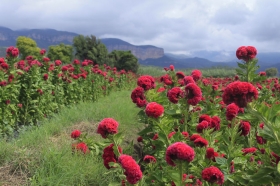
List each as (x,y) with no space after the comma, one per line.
(184,26)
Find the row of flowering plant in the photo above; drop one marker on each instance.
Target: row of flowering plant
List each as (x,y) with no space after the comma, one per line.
(32,89)
(201,131)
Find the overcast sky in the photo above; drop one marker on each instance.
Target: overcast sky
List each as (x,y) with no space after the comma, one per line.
(178,26)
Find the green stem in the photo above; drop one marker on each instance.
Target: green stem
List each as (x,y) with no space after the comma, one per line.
(181,173)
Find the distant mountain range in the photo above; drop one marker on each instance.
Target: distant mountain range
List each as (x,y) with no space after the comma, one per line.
(146,54)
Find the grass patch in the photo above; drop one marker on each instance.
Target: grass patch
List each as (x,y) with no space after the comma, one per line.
(42,155)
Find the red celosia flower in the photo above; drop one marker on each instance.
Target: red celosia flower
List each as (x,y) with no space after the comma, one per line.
(149,159)
(231,111)
(260,139)
(107,126)
(155,137)
(194,137)
(140,139)
(4,66)
(262,73)
(40,91)
(204,117)
(179,151)
(249,150)
(244,128)
(154,110)
(166,79)
(246,53)
(132,172)
(3,83)
(171,67)
(211,154)
(185,134)
(138,97)
(201,126)
(46,77)
(188,79)
(42,51)
(171,134)
(12,52)
(175,94)
(196,74)
(215,123)
(180,75)
(146,82)
(213,175)
(109,155)
(161,89)
(239,93)
(200,142)
(276,157)
(81,147)
(75,134)
(193,94)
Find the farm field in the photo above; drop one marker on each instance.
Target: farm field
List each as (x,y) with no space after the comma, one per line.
(117,128)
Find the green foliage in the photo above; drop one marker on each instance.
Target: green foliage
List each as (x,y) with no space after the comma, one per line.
(89,47)
(271,72)
(124,60)
(61,52)
(27,46)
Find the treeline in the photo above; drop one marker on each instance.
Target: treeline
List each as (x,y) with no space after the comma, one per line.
(83,47)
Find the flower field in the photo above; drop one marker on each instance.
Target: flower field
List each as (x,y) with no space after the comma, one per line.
(199,131)
(195,130)
(33,89)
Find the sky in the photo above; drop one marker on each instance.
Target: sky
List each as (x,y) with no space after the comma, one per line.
(177,26)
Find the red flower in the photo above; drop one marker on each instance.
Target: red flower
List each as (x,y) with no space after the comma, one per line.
(154,110)
(40,91)
(249,150)
(3,83)
(193,94)
(4,66)
(204,117)
(213,175)
(81,147)
(200,142)
(149,159)
(179,151)
(132,172)
(19,105)
(12,52)
(140,139)
(42,51)
(231,111)
(75,134)
(174,94)
(239,93)
(215,123)
(57,62)
(211,154)
(244,127)
(166,79)
(109,155)
(188,79)
(155,137)
(146,82)
(180,75)
(185,134)
(201,126)
(196,74)
(161,89)
(246,53)
(171,67)
(46,77)
(107,126)
(171,134)
(138,97)
(194,137)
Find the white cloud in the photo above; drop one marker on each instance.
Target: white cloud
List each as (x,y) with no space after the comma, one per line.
(177,26)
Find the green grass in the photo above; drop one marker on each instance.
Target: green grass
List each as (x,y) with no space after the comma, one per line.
(44,153)
(206,72)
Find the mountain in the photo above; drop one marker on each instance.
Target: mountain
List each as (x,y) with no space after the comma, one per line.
(141,52)
(43,37)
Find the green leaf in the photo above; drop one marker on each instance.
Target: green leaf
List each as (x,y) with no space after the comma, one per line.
(275,147)
(278,167)
(240,160)
(221,161)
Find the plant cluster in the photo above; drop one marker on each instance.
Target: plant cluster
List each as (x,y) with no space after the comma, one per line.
(34,88)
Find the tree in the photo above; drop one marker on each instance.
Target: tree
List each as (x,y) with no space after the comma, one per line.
(62,52)
(271,72)
(89,47)
(27,47)
(124,60)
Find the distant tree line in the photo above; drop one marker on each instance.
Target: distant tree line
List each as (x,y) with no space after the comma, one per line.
(84,47)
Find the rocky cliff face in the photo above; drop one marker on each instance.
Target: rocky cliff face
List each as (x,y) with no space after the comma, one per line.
(43,37)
